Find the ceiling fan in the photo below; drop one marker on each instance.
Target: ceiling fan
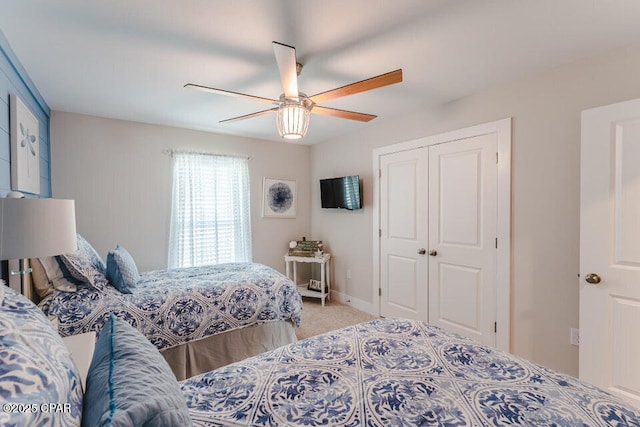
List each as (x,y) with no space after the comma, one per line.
(293,108)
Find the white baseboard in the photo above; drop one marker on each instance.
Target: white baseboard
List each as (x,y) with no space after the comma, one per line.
(356,303)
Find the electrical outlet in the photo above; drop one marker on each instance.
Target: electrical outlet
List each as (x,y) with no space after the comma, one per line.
(348,273)
(574,337)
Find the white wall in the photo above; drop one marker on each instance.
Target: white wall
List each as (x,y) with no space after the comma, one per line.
(121,181)
(545,184)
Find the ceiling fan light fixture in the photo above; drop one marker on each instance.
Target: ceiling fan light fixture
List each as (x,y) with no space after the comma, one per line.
(294,107)
(293,116)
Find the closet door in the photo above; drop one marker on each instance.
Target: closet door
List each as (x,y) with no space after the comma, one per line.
(403,234)
(462,236)
(449,194)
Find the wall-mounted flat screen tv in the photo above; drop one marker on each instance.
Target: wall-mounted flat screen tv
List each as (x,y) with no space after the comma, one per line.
(341,193)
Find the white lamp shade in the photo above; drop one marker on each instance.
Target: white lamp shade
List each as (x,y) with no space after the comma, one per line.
(32,228)
(292,121)
(293,115)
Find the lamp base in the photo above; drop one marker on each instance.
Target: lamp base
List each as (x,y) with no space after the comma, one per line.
(19,279)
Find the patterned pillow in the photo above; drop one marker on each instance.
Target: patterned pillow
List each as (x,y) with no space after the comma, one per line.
(122,270)
(39,383)
(130,384)
(85,264)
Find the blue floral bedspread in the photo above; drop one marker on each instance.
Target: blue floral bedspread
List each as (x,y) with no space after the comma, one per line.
(171,307)
(400,373)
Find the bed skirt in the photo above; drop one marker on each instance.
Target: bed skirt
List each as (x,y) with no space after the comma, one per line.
(207,354)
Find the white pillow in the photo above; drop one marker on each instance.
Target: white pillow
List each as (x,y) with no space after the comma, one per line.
(47,276)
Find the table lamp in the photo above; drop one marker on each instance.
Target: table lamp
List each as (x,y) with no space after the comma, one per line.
(32,228)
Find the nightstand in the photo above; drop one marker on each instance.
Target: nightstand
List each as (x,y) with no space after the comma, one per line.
(81,348)
(325,275)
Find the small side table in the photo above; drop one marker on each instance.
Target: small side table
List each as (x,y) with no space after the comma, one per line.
(81,348)
(325,275)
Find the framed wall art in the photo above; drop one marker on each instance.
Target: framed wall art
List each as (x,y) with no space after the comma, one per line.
(315,285)
(279,198)
(25,147)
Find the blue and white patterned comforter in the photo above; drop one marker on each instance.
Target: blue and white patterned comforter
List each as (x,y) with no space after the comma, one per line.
(171,307)
(396,372)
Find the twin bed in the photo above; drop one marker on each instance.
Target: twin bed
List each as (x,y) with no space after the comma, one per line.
(384,372)
(199,318)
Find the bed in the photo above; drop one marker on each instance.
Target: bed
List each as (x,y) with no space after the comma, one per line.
(199,318)
(383,372)
(396,372)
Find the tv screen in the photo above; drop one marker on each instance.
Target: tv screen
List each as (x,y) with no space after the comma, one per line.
(341,193)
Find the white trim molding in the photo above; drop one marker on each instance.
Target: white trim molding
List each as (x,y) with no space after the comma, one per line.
(356,303)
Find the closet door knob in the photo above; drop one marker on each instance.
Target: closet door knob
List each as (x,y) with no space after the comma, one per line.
(433,252)
(422,251)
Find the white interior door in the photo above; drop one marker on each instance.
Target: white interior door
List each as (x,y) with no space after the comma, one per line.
(470,211)
(462,237)
(403,233)
(610,249)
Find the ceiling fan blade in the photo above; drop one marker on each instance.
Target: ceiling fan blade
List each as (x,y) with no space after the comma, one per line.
(361,86)
(248,116)
(286,60)
(343,114)
(230,93)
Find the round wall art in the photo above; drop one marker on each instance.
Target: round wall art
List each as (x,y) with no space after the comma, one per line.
(279,198)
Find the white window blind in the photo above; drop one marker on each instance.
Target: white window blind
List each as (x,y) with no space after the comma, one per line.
(210,215)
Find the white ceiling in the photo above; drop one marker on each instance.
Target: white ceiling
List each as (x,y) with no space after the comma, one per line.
(129,59)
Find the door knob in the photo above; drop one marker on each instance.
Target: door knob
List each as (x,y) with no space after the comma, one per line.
(433,252)
(422,251)
(592,278)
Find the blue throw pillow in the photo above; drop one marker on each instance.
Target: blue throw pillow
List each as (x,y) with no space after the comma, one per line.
(39,382)
(122,270)
(130,384)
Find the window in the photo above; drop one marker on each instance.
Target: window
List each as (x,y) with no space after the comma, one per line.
(210,218)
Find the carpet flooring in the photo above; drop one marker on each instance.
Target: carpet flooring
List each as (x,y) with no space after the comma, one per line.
(334,315)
